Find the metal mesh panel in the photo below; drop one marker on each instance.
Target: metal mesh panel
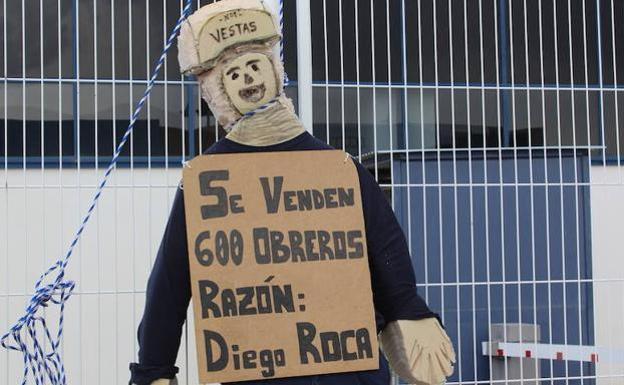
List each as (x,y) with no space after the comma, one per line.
(492,125)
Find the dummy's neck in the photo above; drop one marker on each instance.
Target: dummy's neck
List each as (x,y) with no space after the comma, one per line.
(273,125)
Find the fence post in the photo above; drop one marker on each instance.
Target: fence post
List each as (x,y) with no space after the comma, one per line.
(304,63)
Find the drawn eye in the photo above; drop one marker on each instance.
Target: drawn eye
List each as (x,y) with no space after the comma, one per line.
(255,67)
(234,76)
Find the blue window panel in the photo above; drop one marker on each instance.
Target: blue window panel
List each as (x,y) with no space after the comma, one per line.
(530,234)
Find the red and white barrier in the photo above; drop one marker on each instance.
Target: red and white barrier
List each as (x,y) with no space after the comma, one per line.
(553,352)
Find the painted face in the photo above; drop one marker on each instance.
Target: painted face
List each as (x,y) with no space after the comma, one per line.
(250,81)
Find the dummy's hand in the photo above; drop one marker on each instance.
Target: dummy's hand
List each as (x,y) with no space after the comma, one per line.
(164,381)
(418,351)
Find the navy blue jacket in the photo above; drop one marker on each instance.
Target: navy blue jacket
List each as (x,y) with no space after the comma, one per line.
(169,290)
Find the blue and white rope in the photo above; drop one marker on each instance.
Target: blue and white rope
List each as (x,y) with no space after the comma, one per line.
(281,21)
(251,113)
(45,363)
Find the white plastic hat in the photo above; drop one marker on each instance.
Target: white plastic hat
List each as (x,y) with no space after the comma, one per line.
(216,27)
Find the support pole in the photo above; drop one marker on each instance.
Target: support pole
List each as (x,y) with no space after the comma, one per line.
(304,63)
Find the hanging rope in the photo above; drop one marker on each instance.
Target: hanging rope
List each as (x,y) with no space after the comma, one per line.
(251,113)
(281,21)
(44,363)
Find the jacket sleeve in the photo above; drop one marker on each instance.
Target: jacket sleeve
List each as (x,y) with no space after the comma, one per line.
(167,298)
(392,274)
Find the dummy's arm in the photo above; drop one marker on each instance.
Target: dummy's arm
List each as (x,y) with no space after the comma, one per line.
(415,344)
(168,295)
(393,280)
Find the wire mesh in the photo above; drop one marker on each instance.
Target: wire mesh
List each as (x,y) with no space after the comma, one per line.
(492,125)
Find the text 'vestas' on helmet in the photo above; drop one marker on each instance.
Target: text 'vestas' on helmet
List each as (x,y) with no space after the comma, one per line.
(216,27)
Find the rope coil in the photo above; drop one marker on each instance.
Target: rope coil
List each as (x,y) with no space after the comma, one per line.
(43,363)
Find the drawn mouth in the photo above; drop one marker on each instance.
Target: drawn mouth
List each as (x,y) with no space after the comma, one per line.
(253,94)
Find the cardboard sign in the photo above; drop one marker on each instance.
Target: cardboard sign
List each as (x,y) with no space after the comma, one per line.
(279,266)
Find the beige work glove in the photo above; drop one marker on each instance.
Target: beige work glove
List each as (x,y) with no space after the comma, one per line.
(419,352)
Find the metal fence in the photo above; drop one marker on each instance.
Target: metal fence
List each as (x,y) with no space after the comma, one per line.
(493,126)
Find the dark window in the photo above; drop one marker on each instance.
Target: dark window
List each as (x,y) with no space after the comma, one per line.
(559,42)
(126,38)
(113,40)
(33,130)
(371,36)
(49,129)
(613,119)
(449,48)
(290,39)
(159,131)
(33,36)
(611,37)
(129,36)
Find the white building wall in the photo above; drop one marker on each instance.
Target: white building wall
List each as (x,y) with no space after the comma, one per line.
(40,213)
(607,208)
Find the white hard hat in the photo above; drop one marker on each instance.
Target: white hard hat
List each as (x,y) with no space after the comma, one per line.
(214,28)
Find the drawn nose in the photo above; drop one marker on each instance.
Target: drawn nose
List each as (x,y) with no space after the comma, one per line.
(248,79)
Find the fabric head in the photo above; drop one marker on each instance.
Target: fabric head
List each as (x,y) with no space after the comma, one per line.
(228,45)
(229,106)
